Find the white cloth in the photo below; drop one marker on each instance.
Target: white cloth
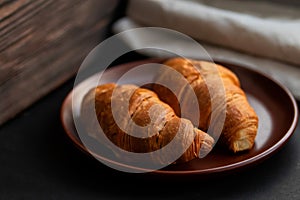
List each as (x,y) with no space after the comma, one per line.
(254,27)
(263,36)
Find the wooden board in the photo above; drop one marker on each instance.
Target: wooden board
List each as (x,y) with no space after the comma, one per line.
(42,44)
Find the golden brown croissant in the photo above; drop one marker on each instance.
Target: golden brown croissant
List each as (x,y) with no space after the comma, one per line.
(145,110)
(241,121)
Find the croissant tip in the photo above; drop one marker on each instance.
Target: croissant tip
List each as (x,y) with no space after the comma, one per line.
(245,139)
(242,145)
(206,146)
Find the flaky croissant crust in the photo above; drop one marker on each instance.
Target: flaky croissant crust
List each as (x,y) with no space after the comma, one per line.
(241,122)
(163,125)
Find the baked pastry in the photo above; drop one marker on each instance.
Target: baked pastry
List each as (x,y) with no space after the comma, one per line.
(124,110)
(241,122)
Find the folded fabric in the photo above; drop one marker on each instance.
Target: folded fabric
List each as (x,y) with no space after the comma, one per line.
(254,27)
(289,75)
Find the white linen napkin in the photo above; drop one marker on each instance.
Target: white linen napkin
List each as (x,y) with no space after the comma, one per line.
(261,35)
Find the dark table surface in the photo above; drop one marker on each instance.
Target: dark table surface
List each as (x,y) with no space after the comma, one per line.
(38,161)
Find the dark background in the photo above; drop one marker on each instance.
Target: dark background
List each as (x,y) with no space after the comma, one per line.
(38,161)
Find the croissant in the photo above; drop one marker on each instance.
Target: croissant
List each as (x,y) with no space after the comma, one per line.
(144,109)
(240,123)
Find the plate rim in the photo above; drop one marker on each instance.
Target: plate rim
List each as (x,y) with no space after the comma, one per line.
(224,168)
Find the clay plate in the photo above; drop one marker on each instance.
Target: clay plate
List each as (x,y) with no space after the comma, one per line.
(274,104)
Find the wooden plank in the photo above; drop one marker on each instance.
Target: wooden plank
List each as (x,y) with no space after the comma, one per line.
(42,44)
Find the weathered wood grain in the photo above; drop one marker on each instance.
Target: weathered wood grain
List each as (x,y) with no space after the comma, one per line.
(42,44)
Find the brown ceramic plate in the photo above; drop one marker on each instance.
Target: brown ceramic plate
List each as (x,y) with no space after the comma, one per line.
(274,104)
